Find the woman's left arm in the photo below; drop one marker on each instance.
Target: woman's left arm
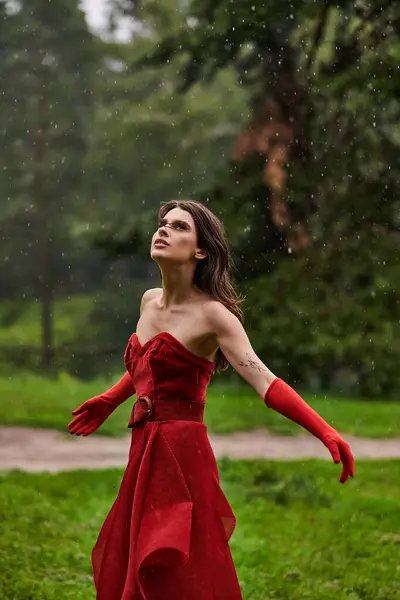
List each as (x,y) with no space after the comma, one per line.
(278,395)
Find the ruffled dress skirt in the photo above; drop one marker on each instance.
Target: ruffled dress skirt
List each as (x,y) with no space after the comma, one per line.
(166,535)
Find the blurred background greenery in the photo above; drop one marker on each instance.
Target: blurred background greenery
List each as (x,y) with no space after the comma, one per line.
(283,118)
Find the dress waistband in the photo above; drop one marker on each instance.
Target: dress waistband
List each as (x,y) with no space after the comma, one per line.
(144,409)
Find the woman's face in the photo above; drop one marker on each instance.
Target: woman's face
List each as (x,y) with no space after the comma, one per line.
(177,229)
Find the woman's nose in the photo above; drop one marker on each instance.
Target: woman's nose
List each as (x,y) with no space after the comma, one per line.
(162,228)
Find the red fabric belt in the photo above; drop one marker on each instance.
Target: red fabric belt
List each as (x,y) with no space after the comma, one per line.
(145,410)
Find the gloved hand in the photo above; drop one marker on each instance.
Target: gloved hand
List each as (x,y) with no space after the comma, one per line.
(92,413)
(284,400)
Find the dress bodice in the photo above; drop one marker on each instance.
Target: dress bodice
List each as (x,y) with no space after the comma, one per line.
(163,368)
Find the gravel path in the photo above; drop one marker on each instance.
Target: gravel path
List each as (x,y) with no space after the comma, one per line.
(38,450)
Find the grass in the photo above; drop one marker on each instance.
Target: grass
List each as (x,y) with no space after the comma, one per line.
(300,535)
(40,402)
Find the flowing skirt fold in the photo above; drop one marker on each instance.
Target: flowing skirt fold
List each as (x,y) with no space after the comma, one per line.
(166,535)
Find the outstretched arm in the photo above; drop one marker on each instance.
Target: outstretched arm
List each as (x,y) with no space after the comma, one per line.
(90,415)
(278,395)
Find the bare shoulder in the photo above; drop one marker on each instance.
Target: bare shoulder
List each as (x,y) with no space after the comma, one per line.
(219,318)
(148,296)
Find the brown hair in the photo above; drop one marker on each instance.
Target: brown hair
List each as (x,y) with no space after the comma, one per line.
(213,273)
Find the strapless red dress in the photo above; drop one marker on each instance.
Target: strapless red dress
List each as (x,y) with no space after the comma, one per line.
(166,535)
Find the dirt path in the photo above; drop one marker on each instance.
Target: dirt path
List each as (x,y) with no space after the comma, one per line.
(47,450)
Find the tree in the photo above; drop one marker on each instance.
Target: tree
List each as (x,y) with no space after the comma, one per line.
(306,67)
(47,58)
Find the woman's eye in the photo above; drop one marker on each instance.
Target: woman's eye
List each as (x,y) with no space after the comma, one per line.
(176,225)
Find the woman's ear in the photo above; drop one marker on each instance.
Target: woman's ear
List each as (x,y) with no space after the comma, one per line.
(200,253)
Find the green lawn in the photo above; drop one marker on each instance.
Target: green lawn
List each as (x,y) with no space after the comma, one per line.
(37,401)
(300,534)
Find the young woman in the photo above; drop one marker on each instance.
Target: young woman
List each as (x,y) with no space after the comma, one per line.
(166,535)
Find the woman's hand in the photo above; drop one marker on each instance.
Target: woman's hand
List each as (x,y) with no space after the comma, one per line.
(90,415)
(340,452)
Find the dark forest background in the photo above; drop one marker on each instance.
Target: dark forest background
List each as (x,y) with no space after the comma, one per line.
(282,117)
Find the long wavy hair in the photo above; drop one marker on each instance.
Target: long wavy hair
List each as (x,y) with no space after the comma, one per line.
(213,274)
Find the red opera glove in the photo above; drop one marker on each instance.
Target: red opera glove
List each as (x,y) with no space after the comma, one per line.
(284,400)
(92,413)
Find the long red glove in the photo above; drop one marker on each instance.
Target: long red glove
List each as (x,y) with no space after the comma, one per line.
(284,400)
(92,413)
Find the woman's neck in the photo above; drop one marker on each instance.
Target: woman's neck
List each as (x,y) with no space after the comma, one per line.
(176,291)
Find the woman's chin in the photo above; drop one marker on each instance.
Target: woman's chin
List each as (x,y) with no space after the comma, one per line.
(159,254)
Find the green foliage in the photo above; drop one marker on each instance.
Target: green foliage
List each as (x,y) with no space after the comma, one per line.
(153,145)
(328,321)
(299,550)
(265,40)
(45,78)
(239,199)
(20,322)
(82,347)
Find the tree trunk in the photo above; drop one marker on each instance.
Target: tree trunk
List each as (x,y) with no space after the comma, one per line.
(43,210)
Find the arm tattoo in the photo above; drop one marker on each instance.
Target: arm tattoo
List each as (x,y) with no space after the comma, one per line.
(252,363)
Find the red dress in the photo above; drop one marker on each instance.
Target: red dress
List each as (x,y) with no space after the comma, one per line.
(166,535)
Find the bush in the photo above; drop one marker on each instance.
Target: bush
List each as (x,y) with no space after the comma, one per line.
(330,321)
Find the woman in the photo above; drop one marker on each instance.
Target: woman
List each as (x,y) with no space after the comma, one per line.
(166,536)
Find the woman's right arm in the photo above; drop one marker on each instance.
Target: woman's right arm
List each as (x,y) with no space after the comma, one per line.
(90,415)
